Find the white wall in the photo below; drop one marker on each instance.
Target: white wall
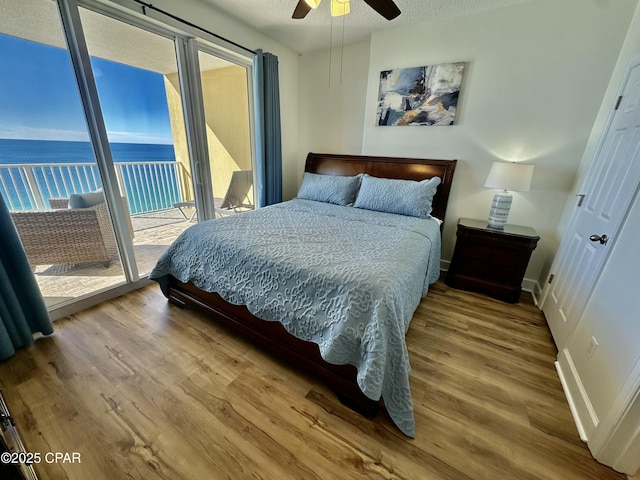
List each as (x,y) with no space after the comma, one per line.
(534,82)
(333,99)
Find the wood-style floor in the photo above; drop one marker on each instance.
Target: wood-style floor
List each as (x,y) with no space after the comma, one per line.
(145,390)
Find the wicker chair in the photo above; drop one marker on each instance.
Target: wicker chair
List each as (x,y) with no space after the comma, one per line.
(68,235)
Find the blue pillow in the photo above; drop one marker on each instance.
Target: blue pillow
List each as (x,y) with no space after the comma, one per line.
(85,200)
(337,189)
(404,197)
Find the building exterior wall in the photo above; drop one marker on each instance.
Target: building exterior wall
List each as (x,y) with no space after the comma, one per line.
(226,108)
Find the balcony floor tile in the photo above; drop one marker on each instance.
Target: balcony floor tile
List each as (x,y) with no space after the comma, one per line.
(154,232)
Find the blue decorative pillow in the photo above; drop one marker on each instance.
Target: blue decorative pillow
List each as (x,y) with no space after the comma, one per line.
(85,200)
(404,197)
(337,189)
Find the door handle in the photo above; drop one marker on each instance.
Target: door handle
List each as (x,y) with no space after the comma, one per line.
(603,239)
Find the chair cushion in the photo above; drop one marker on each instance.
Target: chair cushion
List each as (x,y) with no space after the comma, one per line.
(85,200)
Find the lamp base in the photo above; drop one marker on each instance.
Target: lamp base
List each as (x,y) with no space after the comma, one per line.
(500,210)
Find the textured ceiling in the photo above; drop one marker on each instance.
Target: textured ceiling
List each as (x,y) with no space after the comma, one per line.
(273,18)
(32,19)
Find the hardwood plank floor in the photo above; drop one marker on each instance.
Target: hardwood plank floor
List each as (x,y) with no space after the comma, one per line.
(143,390)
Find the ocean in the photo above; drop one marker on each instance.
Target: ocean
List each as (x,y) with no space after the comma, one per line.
(53,151)
(148,186)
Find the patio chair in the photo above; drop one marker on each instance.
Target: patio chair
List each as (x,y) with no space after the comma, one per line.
(68,235)
(235,200)
(237,197)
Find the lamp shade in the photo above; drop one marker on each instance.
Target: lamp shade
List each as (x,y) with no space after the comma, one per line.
(510,176)
(313,3)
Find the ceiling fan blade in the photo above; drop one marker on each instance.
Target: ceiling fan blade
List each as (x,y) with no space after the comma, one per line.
(386,8)
(301,10)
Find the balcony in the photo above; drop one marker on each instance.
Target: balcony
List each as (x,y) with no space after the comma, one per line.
(150,188)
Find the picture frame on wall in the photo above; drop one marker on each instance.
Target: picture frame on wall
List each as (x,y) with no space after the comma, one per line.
(426,95)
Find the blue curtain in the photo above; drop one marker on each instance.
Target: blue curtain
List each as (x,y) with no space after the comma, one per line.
(268,144)
(22,309)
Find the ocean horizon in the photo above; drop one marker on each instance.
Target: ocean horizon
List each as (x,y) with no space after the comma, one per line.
(23,151)
(147,187)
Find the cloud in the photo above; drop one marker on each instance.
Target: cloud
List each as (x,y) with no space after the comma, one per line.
(136,137)
(31,133)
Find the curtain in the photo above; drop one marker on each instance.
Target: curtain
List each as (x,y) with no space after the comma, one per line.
(268,143)
(22,309)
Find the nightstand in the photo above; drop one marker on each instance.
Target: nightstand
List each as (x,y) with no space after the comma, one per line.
(491,261)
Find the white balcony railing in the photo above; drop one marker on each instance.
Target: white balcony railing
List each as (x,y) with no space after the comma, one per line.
(148,186)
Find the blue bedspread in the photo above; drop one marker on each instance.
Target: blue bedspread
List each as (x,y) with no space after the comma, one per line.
(346,279)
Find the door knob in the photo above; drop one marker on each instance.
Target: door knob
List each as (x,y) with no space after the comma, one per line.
(599,238)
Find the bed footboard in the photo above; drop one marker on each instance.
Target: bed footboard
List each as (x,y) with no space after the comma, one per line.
(273,337)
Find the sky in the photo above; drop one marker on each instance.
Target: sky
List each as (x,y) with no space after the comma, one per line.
(39,98)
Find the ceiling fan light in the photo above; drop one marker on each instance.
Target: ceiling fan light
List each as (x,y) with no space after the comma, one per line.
(313,3)
(339,8)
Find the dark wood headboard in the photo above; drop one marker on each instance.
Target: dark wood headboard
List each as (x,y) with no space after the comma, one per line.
(389,167)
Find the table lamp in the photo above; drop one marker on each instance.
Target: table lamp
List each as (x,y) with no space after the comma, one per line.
(506,176)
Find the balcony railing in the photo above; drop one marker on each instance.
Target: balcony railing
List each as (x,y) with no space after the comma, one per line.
(148,186)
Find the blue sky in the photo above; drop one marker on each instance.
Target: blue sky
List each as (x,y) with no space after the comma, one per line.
(39,98)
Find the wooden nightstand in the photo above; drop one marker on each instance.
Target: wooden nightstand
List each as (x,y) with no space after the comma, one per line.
(491,261)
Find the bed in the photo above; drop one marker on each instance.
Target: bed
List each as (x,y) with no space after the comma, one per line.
(328,286)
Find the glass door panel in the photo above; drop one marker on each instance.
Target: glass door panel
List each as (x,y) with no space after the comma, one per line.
(139,92)
(48,173)
(226,109)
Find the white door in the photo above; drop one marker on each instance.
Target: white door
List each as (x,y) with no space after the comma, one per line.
(610,378)
(608,191)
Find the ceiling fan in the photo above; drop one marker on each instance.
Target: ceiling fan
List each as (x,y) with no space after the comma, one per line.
(386,8)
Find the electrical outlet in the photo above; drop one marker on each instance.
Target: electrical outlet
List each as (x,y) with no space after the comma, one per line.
(592,347)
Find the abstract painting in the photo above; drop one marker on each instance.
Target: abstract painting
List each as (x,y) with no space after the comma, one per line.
(420,95)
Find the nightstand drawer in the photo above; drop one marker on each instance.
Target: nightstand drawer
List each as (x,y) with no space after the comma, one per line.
(491,261)
(495,272)
(497,255)
(494,239)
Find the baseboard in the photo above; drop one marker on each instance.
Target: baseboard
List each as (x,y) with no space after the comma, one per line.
(584,414)
(533,287)
(76,305)
(572,406)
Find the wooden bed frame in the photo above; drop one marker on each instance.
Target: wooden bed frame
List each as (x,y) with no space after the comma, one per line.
(272,336)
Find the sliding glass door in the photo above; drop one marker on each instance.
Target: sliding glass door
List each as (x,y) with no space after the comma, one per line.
(142,111)
(226,111)
(47,163)
(145,121)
